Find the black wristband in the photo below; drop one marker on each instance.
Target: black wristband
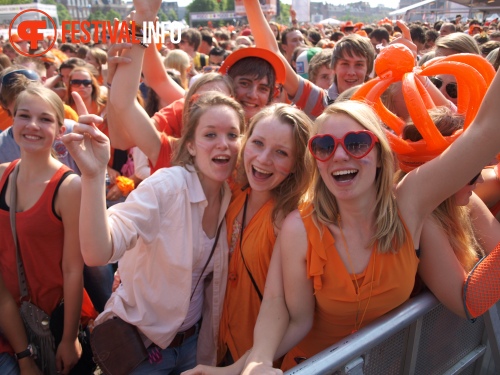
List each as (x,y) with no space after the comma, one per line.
(28,352)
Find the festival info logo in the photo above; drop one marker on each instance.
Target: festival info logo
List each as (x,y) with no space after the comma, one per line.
(29,35)
(29,31)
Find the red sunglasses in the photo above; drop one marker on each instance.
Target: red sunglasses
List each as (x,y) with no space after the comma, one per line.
(356,144)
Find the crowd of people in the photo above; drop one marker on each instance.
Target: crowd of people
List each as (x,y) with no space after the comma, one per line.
(226,198)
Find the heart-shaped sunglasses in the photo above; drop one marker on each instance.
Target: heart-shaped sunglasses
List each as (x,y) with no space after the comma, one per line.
(356,144)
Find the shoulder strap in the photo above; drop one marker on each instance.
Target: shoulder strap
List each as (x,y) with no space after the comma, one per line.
(256,287)
(209,258)
(23,287)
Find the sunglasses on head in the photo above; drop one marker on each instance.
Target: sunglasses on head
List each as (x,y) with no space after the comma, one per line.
(473,181)
(79,82)
(356,144)
(451,88)
(9,78)
(210,68)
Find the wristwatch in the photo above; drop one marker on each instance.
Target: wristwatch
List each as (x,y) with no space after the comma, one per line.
(28,352)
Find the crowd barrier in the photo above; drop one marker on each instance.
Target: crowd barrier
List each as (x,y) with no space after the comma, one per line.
(421,337)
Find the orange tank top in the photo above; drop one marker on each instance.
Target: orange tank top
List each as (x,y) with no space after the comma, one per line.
(242,303)
(392,275)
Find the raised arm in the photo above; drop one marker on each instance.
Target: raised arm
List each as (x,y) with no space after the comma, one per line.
(90,148)
(127,114)
(158,79)
(424,188)
(264,38)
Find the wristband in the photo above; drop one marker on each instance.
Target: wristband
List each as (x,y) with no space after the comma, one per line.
(28,352)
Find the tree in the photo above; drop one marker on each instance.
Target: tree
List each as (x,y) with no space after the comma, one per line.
(172,15)
(98,15)
(111,15)
(162,16)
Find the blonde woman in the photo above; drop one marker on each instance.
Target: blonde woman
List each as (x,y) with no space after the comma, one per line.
(180,61)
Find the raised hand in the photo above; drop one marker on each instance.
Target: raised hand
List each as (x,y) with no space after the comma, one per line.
(88,146)
(405,38)
(145,9)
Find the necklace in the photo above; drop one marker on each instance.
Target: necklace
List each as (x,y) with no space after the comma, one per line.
(353,275)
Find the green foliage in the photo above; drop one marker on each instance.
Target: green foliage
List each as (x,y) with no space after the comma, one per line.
(62,13)
(96,16)
(203,6)
(172,15)
(111,15)
(284,17)
(162,16)
(10,2)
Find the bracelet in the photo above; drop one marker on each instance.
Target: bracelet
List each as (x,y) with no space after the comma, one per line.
(108,85)
(139,37)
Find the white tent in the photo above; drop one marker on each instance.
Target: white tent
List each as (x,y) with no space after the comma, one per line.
(331,21)
(492,17)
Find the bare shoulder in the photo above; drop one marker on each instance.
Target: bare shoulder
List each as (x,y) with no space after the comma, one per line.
(293,235)
(69,195)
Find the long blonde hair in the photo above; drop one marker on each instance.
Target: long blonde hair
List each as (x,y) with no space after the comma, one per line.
(390,234)
(292,190)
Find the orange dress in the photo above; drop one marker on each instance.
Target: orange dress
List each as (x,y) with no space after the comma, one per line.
(392,276)
(242,303)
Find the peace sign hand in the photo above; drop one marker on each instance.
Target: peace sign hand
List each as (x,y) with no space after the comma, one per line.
(405,38)
(88,146)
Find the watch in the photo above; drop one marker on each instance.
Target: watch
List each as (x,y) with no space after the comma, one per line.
(28,352)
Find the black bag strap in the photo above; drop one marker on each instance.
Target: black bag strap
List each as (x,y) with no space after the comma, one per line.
(209,258)
(241,250)
(23,286)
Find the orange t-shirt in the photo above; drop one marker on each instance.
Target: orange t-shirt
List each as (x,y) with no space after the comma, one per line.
(242,303)
(392,276)
(169,118)
(70,113)
(5,119)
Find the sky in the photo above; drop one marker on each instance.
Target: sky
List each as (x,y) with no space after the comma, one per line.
(373,3)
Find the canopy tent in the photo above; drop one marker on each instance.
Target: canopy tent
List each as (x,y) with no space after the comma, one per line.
(410,7)
(331,21)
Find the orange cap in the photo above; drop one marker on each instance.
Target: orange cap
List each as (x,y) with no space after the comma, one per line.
(265,54)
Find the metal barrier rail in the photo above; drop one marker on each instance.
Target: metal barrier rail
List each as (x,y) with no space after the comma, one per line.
(419,337)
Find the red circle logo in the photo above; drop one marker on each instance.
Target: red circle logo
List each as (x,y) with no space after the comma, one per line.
(28,31)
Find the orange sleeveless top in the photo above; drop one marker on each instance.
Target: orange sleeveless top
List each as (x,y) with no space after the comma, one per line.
(242,303)
(392,275)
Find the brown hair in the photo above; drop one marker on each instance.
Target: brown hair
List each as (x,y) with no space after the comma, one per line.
(199,106)
(292,190)
(96,89)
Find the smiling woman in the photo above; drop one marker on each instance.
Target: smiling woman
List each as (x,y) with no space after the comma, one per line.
(273,178)
(166,234)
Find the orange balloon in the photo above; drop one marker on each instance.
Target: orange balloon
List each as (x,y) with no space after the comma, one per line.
(396,59)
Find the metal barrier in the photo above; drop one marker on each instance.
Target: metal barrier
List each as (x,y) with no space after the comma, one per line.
(419,337)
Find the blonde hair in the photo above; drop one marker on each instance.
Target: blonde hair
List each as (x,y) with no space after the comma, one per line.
(458,42)
(390,234)
(199,106)
(179,60)
(47,95)
(100,56)
(454,220)
(293,189)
